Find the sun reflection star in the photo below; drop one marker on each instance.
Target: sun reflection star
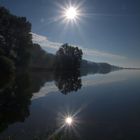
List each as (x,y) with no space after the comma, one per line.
(69,120)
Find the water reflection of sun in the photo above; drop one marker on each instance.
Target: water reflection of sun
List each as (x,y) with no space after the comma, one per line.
(69,120)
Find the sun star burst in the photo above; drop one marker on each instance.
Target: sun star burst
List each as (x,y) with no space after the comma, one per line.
(71,13)
(68,120)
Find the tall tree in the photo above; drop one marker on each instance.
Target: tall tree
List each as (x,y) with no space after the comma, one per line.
(68,57)
(15,37)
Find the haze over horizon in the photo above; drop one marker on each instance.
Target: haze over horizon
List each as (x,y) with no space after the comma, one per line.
(107,31)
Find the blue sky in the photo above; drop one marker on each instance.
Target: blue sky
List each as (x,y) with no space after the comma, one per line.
(108,30)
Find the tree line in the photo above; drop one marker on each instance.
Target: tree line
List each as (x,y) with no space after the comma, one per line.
(19,54)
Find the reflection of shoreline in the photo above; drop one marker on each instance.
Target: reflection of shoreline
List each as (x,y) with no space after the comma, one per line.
(15,101)
(35,85)
(50,87)
(64,79)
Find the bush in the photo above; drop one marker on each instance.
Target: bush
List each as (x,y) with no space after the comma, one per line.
(7,71)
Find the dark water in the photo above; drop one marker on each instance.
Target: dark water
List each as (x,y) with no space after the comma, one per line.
(103,106)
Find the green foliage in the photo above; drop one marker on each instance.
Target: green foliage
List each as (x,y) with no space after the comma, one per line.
(15,37)
(41,59)
(68,57)
(7,71)
(6,65)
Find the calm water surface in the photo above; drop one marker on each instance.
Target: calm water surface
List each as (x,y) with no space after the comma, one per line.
(105,107)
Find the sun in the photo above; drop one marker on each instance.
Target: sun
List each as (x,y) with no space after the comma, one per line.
(71,13)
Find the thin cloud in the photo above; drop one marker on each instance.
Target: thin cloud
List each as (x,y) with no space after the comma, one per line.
(52,47)
(45,43)
(91,52)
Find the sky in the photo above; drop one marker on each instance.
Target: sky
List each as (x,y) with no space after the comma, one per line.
(106,30)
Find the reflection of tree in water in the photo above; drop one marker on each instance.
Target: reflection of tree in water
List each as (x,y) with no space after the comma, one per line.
(67,73)
(68,81)
(15,101)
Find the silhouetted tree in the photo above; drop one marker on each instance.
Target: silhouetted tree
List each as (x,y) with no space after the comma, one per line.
(7,71)
(15,38)
(68,57)
(41,59)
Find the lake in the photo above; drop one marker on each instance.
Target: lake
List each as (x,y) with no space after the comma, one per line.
(102,107)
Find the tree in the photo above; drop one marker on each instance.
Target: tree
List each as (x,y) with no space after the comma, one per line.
(15,37)
(41,59)
(68,57)
(7,71)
